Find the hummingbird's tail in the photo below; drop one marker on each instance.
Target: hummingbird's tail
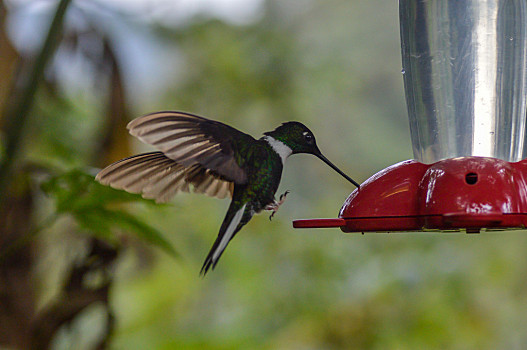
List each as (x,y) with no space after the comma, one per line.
(233,222)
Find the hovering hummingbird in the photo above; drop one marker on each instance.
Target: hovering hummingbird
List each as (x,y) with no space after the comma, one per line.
(216,160)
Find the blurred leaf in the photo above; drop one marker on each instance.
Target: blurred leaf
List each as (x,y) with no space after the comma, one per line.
(142,229)
(95,208)
(114,144)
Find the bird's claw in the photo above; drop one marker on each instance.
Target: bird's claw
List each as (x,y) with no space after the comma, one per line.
(276,204)
(282,197)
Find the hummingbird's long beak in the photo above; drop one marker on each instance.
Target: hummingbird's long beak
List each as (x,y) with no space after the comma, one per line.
(325,160)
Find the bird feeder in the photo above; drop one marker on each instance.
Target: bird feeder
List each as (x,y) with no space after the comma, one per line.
(465,80)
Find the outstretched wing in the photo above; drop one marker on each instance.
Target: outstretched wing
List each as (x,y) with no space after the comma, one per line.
(192,140)
(158,177)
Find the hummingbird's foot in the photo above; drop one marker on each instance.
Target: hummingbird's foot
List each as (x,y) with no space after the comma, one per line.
(276,204)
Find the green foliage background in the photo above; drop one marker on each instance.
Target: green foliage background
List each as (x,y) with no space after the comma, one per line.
(335,66)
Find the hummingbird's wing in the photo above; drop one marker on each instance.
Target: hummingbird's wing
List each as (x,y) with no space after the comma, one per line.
(158,177)
(192,140)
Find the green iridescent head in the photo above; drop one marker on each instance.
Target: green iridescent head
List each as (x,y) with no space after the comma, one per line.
(296,136)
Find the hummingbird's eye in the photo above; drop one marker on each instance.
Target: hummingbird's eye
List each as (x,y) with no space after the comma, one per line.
(309,138)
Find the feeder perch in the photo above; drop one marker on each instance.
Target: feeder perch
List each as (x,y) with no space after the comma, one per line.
(465,78)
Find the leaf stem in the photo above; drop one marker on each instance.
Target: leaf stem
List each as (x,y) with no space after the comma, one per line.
(16,113)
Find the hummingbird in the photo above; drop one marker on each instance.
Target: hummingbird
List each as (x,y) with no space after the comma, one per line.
(215,159)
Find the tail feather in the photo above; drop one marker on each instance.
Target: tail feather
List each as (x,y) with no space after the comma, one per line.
(230,226)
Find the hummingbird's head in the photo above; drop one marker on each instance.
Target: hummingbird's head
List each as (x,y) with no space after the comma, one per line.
(296,136)
(300,139)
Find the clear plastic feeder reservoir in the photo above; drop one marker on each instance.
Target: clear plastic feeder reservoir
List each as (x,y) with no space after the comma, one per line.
(465,79)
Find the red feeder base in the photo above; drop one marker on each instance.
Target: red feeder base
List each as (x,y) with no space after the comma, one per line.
(468,193)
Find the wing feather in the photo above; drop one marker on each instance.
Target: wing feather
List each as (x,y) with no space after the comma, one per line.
(189,139)
(158,177)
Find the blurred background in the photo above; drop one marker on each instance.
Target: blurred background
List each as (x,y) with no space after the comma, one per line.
(83,266)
